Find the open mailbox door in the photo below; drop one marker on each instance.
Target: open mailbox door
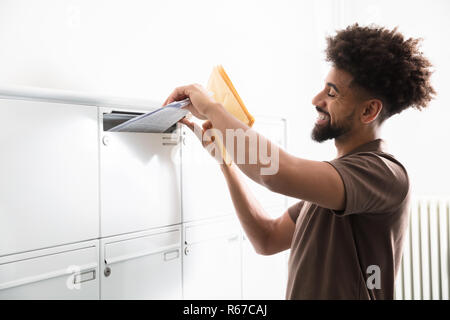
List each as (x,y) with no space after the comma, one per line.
(161,120)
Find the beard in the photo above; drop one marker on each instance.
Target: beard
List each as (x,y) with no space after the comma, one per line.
(329,131)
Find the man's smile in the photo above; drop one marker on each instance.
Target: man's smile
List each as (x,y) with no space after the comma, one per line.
(323,117)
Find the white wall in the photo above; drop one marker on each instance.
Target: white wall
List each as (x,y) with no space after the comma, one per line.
(273,51)
(420,140)
(146,48)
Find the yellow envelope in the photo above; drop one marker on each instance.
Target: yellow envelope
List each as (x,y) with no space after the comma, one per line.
(224,92)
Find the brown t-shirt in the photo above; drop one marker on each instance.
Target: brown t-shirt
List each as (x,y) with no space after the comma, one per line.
(335,254)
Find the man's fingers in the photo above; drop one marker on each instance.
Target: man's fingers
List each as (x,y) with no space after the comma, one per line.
(178,94)
(204,136)
(194,127)
(184,92)
(206,143)
(194,111)
(188,123)
(207,125)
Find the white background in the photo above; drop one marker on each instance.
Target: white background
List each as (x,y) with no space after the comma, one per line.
(272,50)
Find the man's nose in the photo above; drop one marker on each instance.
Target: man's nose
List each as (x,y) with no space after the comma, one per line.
(318,100)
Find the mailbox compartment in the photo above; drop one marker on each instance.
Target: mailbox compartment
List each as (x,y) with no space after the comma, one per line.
(139,176)
(205,191)
(212,259)
(63,272)
(143,265)
(49,175)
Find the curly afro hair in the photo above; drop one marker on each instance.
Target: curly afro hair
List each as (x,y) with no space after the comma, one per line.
(385,65)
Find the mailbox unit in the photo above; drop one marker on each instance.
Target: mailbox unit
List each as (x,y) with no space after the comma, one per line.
(91,214)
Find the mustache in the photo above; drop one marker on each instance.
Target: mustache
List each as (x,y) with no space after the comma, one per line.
(321,110)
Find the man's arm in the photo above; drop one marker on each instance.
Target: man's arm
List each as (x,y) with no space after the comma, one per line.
(267,235)
(313,181)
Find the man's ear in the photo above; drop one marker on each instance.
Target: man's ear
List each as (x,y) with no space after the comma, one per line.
(371,109)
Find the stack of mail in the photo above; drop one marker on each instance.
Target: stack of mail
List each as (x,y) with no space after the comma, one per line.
(156,121)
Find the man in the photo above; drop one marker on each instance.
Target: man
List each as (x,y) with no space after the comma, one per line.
(346,233)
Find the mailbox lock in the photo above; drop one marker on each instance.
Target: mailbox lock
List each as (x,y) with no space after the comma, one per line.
(107,271)
(187,250)
(105,140)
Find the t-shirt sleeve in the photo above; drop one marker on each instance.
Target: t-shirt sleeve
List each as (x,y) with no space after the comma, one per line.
(373,183)
(294,210)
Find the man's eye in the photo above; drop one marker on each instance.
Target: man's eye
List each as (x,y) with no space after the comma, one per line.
(331,94)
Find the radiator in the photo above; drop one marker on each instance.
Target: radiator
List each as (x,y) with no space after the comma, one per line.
(424,270)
